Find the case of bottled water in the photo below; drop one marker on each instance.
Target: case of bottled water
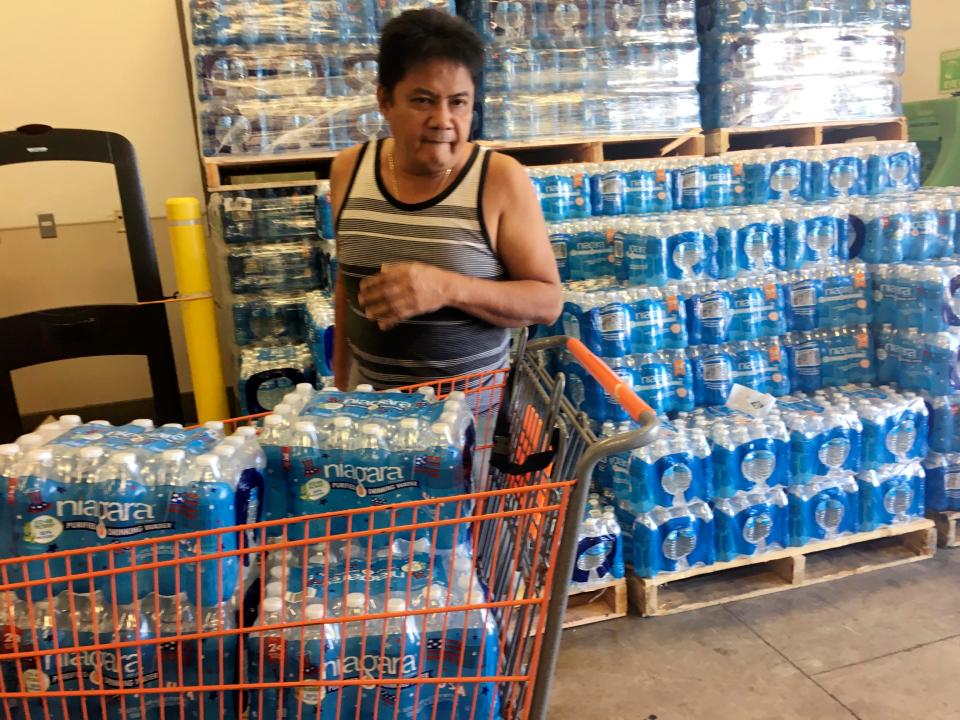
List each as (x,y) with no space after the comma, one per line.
(270,318)
(673,471)
(159,482)
(290,76)
(925,362)
(273,215)
(673,539)
(320,322)
(342,451)
(834,60)
(895,424)
(891,494)
(942,481)
(910,226)
(944,427)
(599,547)
(751,523)
(824,509)
(268,372)
(826,436)
(587,67)
(918,296)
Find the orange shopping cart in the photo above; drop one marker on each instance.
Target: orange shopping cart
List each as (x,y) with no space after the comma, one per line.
(365,613)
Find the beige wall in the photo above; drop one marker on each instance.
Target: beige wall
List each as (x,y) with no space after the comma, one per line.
(936,28)
(106,64)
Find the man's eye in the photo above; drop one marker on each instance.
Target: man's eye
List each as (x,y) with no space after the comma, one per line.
(421,101)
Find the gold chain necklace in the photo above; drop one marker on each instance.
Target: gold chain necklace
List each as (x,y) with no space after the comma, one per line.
(396,186)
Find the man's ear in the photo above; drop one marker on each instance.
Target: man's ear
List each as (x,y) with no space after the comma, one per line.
(384,98)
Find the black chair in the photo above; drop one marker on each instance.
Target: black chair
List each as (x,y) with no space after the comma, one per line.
(84,331)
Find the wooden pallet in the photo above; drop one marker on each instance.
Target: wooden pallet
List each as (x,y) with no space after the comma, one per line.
(245,172)
(730,139)
(948,524)
(783,569)
(605,602)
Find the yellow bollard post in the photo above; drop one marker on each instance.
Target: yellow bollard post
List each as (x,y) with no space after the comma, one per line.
(199,316)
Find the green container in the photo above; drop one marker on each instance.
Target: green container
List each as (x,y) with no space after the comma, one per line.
(935,128)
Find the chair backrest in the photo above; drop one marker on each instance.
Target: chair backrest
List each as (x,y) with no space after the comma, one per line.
(84,331)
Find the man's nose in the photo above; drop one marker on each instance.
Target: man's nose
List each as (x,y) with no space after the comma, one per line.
(441,116)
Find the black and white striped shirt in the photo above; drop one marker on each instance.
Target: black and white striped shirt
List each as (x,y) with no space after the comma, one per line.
(447,232)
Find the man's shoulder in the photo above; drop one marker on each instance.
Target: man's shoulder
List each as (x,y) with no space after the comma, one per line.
(504,167)
(345,160)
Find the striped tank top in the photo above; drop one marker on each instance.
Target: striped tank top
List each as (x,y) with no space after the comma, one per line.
(448,232)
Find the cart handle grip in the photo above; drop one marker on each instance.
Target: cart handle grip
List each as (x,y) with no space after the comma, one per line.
(609,380)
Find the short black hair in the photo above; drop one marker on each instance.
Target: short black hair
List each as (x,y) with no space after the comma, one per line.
(416,36)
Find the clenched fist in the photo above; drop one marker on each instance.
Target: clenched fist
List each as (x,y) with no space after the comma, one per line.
(401,291)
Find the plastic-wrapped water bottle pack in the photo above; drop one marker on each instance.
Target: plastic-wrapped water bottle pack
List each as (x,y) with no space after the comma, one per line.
(89,485)
(923,362)
(344,583)
(914,227)
(917,295)
(270,318)
(835,60)
(320,321)
(268,372)
(743,178)
(943,481)
(287,77)
(599,547)
(578,68)
(274,215)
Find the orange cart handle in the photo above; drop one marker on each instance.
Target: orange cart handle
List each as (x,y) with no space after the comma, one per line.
(609,380)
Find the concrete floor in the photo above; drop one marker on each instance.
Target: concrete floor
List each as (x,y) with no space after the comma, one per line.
(884,645)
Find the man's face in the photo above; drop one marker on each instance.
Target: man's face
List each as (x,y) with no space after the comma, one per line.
(430,111)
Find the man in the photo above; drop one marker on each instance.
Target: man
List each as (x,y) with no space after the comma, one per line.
(442,246)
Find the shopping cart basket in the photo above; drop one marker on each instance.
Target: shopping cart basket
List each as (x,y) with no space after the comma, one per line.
(483,647)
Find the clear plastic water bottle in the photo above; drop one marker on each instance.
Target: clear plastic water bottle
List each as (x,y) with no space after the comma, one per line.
(266,651)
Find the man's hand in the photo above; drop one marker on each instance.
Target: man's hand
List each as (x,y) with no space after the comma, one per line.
(401,291)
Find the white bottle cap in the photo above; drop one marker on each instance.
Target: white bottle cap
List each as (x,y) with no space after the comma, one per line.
(273,420)
(227,451)
(315,611)
(370,429)
(125,458)
(207,460)
(30,441)
(101,423)
(304,389)
(248,432)
(92,452)
(272,605)
(409,423)
(342,421)
(396,605)
(456,396)
(233,441)
(216,425)
(282,409)
(304,426)
(278,571)
(175,426)
(173,455)
(9,449)
(356,600)
(145,423)
(449,417)
(69,421)
(274,589)
(427,390)
(40,455)
(330,388)
(364,387)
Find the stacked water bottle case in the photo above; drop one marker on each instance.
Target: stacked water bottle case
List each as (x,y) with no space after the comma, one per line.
(590,67)
(289,76)
(835,60)
(280,261)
